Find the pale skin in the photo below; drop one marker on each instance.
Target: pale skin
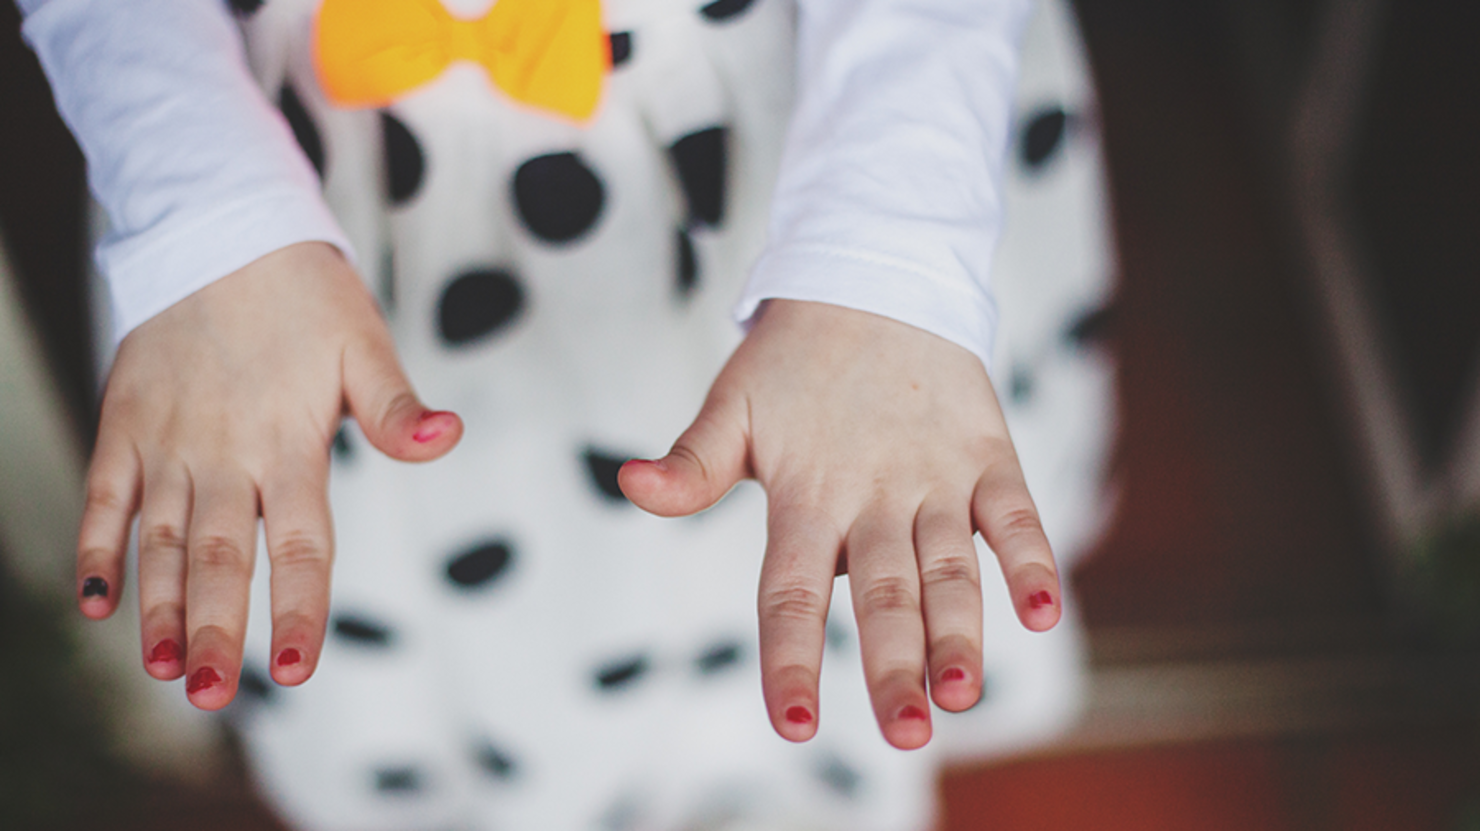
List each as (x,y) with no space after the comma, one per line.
(881,448)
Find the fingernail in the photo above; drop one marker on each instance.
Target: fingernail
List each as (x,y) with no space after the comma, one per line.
(430,431)
(166,651)
(94,587)
(289,657)
(203,678)
(953,674)
(799,715)
(1040,599)
(912,713)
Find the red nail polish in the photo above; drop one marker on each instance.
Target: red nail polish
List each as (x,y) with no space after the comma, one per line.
(1040,599)
(953,674)
(912,713)
(429,431)
(165,652)
(203,678)
(799,715)
(289,657)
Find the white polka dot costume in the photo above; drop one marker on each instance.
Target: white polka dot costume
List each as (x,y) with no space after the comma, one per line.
(511,643)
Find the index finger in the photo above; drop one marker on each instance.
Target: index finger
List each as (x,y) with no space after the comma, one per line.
(795,591)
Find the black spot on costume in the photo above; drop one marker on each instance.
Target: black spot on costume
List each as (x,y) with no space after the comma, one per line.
(558,196)
(1042,137)
(621,674)
(480,566)
(477,304)
(362,631)
(405,164)
(304,131)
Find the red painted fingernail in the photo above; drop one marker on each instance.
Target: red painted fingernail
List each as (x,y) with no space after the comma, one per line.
(166,651)
(429,431)
(953,674)
(1041,599)
(94,587)
(799,715)
(204,678)
(912,713)
(289,657)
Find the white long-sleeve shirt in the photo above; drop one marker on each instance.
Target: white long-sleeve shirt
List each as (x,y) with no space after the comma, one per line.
(888,198)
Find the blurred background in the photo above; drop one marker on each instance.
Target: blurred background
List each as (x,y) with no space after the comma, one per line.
(1284,619)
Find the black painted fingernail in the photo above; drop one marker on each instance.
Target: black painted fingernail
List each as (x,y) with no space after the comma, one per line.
(94,587)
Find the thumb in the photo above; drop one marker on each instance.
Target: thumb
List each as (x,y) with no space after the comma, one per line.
(390,415)
(710,457)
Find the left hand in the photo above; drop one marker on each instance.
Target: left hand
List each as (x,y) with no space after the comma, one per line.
(881,448)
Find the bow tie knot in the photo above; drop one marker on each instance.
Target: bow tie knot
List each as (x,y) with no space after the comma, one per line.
(549,54)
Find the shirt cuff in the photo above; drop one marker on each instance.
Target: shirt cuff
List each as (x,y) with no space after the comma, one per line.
(962,312)
(151,271)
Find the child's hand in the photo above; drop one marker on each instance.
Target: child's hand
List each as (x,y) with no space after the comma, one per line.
(221,409)
(881,447)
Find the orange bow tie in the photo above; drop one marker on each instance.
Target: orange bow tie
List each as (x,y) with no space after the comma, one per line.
(551,54)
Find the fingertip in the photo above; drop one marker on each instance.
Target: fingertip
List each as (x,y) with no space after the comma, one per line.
(908,727)
(437,430)
(640,480)
(796,722)
(407,430)
(292,665)
(956,689)
(428,435)
(1040,609)
(165,660)
(209,688)
(672,486)
(791,700)
(96,597)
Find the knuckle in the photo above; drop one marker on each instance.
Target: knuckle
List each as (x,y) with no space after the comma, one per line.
(216,551)
(301,549)
(397,404)
(107,498)
(162,537)
(794,603)
(1018,522)
(953,568)
(887,595)
(690,455)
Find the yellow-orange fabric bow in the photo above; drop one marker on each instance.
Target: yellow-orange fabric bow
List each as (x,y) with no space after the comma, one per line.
(551,54)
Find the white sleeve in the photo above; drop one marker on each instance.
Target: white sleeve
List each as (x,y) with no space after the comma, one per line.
(199,174)
(889,198)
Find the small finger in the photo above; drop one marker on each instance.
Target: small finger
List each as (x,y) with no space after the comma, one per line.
(950,591)
(885,582)
(222,548)
(102,541)
(1008,521)
(705,463)
(795,590)
(163,531)
(300,545)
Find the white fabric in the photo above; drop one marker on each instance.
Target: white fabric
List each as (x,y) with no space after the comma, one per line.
(887,200)
(886,203)
(199,175)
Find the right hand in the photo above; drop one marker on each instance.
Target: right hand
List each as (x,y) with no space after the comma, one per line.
(219,410)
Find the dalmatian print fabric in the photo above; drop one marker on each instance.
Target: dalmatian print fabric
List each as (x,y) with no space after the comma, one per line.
(512,644)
